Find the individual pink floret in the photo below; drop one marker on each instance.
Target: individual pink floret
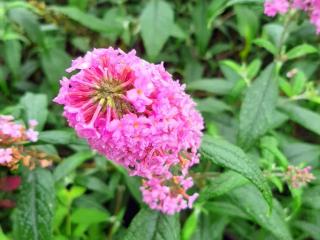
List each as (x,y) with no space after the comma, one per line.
(32,135)
(5,155)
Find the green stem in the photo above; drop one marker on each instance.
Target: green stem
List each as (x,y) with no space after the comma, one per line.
(288,20)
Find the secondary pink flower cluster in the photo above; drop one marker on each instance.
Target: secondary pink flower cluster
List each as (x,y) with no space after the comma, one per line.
(298,177)
(12,136)
(13,132)
(312,7)
(135,114)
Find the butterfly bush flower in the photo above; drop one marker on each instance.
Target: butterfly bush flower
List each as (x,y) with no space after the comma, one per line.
(135,114)
(11,131)
(273,7)
(311,7)
(298,177)
(13,136)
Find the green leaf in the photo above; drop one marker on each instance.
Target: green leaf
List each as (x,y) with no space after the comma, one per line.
(233,2)
(12,50)
(258,108)
(94,183)
(225,208)
(2,235)
(269,145)
(54,61)
(301,50)
(11,35)
(217,86)
(34,213)
(178,32)
(35,107)
(251,202)
(233,65)
(29,23)
(266,44)
(85,19)
(202,32)
(222,185)
(153,225)
(227,155)
(300,152)
(299,83)
(276,33)
(58,136)
(215,8)
(305,117)
(311,229)
(311,197)
(286,87)
(60,237)
(254,68)
(247,26)
(157,22)
(212,105)
(81,4)
(210,228)
(192,71)
(133,183)
(190,225)
(89,216)
(71,163)
(20,4)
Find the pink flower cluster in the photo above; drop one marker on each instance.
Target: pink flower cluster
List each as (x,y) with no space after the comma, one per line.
(135,114)
(298,177)
(312,7)
(12,133)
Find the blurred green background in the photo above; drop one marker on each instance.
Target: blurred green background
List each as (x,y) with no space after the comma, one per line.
(218,48)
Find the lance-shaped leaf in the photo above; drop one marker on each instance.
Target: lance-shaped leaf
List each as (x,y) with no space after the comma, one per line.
(157,22)
(71,163)
(250,201)
(303,116)
(34,213)
(227,155)
(257,110)
(221,185)
(153,225)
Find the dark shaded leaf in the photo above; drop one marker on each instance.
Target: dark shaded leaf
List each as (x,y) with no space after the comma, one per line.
(34,213)
(250,200)
(156,25)
(71,163)
(257,110)
(153,225)
(227,155)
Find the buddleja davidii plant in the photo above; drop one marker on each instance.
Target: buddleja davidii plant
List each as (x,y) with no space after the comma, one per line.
(135,114)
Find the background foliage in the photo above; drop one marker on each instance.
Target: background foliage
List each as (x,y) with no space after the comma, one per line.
(236,63)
